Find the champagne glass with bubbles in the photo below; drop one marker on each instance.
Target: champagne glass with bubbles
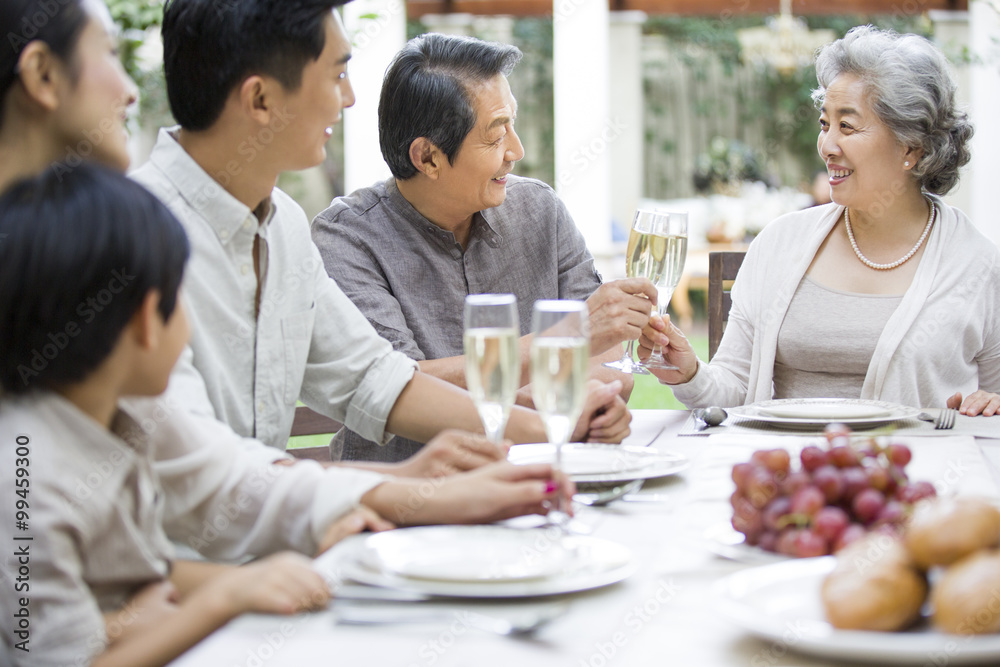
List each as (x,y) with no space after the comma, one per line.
(492,358)
(643,259)
(666,265)
(560,351)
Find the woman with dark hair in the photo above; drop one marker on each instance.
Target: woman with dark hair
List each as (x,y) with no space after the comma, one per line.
(63,92)
(887,292)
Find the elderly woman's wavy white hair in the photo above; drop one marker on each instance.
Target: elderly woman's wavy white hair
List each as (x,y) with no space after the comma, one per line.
(911,90)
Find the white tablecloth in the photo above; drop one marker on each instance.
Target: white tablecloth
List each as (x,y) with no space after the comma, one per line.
(662,615)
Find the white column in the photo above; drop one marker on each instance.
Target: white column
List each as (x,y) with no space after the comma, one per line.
(627,106)
(985,83)
(583,128)
(376,40)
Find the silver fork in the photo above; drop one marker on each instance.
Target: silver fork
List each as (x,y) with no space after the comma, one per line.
(598,495)
(517,624)
(946,419)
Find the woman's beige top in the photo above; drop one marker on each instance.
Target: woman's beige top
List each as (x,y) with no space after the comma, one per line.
(828,356)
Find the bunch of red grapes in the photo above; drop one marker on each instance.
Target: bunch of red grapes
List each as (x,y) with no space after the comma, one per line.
(840,492)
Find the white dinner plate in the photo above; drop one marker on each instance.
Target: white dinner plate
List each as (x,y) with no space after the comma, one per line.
(781,603)
(603,463)
(464,553)
(726,542)
(813,412)
(595,563)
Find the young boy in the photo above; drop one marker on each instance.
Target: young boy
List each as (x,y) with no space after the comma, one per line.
(90,269)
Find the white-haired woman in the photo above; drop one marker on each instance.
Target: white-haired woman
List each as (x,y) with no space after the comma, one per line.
(885,293)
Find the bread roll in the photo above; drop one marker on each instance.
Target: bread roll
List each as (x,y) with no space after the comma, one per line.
(874,587)
(967,598)
(944,530)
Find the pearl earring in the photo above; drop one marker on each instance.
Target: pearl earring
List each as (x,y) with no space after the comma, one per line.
(906,164)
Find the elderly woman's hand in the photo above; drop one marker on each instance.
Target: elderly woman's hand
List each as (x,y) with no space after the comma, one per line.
(976,403)
(660,331)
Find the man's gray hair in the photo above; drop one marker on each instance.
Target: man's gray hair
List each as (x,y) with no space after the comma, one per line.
(910,88)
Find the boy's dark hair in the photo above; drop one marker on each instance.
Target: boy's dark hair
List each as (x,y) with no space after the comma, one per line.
(79,251)
(58,23)
(426,93)
(211,46)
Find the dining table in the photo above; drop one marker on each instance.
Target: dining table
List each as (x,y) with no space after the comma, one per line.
(674,608)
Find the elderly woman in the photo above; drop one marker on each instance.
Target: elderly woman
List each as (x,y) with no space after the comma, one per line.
(885,293)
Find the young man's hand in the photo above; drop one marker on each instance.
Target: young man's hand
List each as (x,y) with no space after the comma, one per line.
(605,417)
(452,451)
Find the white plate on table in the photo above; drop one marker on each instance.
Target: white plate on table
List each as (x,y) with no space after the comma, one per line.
(603,463)
(781,603)
(814,412)
(593,563)
(726,542)
(464,553)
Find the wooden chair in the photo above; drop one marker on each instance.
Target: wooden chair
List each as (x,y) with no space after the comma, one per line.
(308,422)
(722,269)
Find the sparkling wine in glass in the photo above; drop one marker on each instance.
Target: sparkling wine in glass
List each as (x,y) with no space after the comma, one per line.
(640,262)
(672,229)
(492,358)
(560,350)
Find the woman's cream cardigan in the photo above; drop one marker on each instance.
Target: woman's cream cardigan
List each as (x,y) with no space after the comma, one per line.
(944,337)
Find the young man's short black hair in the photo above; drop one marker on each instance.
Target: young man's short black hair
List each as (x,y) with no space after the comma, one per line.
(426,93)
(211,46)
(58,24)
(79,251)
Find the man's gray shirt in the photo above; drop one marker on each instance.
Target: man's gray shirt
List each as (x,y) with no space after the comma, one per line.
(410,277)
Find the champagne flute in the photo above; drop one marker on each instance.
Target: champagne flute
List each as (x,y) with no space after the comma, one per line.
(560,351)
(492,358)
(638,264)
(672,229)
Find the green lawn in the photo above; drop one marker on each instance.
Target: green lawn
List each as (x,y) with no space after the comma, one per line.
(647,393)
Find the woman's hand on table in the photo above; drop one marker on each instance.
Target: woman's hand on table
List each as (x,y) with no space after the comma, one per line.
(660,332)
(977,403)
(491,493)
(605,417)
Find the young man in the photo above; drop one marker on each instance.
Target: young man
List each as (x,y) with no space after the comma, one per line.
(269,325)
(453,220)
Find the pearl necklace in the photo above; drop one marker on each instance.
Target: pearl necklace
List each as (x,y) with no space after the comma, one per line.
(892,265)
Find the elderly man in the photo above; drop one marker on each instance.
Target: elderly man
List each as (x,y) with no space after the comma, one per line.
(454,221)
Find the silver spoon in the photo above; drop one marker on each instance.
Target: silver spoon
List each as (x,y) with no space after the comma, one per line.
(712,416)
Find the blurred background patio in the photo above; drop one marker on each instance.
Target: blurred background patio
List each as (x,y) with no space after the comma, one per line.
(692,105)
